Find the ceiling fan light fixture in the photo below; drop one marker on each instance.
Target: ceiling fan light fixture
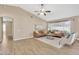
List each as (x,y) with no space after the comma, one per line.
(41,13)
(42,9)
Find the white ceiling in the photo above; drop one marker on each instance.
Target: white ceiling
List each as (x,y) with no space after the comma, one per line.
(58,10)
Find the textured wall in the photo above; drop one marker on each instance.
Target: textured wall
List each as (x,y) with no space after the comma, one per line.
(23,22)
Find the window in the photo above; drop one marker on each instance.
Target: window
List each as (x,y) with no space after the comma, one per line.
(38,27)
(63,26)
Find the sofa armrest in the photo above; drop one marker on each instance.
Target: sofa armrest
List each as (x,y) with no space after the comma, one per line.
(62,41)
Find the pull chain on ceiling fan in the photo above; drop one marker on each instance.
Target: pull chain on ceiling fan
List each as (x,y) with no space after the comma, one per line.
(42,11)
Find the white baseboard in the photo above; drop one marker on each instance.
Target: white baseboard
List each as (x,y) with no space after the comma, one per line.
(22,38)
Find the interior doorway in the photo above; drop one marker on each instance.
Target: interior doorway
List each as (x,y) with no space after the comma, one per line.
(7,27)
(6,35)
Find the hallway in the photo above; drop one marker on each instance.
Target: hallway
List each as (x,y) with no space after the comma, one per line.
(6,46)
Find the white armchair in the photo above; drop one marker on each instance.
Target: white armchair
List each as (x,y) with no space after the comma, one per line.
(72,38)
(68,41)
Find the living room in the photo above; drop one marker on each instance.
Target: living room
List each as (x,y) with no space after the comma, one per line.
(39,29)
(32,30)
(59,29)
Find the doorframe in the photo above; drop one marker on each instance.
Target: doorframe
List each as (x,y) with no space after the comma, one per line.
(2,29)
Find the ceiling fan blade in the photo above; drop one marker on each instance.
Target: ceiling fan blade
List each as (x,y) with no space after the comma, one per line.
(48,11)
(44,14)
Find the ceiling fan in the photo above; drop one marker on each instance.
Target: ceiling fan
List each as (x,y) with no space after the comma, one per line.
(42,11)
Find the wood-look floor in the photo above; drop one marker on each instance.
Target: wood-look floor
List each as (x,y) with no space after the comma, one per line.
(35,47)
(6,47)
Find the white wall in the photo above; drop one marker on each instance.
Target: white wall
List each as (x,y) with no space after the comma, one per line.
(23,22)
(76,25)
